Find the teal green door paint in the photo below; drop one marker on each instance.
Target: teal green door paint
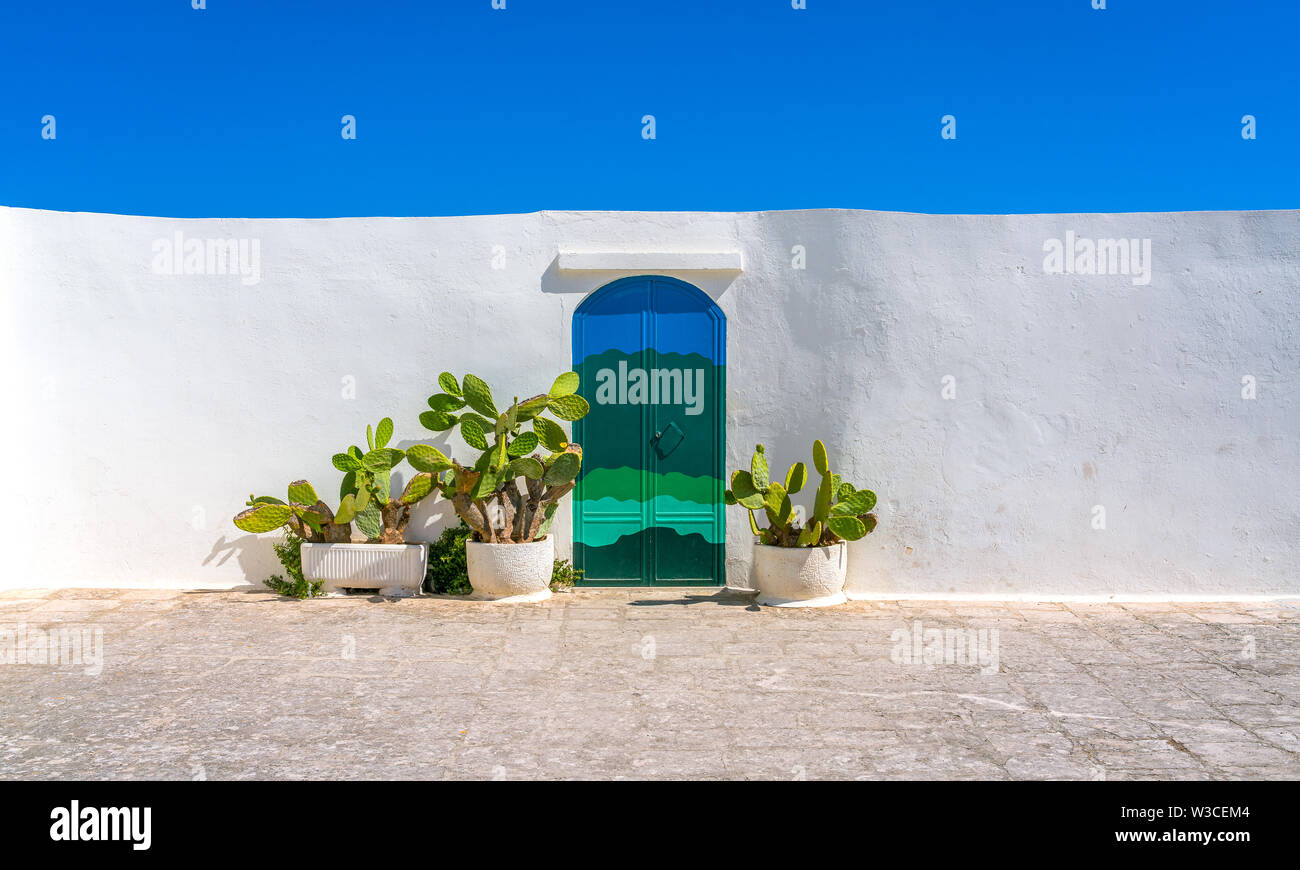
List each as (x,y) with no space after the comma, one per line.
(648,508)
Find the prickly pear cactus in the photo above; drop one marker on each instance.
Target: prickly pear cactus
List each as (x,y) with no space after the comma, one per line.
(367,498)
(510,492)
(840,511)
(304,514)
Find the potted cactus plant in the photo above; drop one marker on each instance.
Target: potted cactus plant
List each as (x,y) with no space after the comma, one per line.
(385,561)
(796,563)
(508,496)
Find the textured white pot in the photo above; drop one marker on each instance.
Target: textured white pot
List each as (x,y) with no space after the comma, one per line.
(800,576)
(510,572)
(392,569)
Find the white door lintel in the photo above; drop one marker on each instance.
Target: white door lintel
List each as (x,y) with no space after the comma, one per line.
(649,261)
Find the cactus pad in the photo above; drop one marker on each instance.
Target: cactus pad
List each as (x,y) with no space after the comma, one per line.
(528,467)
(437,421)
(370,522)
(447,381)
(551,434)
(384,432)
(346,462)
(446,402)
(426,458)
(472,432)
(758,469)
(263,517)
(531,407)
(548,514)
(859,503)
(742,487)
(563,469)
(382,459)
(417,488)
(301,491)
(820,462)
(524,443)
(573,407)
(347,509)
(796,477)
(565,385)
(848,528)
(822,504)
(479,396)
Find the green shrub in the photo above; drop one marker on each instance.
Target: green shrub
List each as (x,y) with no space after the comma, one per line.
(564,575)
(297,589)
(447,573)
(297,586)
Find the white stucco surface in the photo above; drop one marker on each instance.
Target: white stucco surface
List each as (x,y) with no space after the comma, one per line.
(149,405)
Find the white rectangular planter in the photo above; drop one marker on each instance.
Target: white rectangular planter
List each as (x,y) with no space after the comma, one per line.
(393,569)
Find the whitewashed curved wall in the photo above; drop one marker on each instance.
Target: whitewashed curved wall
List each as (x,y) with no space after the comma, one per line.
(148,406)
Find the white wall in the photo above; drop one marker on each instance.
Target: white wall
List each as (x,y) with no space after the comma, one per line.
(150,405)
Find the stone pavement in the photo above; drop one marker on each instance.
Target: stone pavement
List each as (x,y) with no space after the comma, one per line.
(645,684)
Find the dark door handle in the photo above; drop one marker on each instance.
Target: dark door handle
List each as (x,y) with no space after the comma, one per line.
(668,439)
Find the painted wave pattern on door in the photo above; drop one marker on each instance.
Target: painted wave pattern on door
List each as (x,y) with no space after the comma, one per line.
(642,503)
(674,495)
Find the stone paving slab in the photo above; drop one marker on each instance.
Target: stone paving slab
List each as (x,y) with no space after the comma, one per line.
(645,684)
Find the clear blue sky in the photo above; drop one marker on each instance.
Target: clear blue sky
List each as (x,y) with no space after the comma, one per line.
(462,109)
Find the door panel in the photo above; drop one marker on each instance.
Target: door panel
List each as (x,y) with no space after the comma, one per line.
(648,505)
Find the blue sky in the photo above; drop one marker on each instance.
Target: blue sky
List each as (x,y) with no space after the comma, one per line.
(462,109)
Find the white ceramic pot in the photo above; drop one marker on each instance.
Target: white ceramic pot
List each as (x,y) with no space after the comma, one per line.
(510,572)
(800,576)
(392,569)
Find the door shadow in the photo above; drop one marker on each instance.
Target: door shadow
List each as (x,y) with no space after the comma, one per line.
(724,597)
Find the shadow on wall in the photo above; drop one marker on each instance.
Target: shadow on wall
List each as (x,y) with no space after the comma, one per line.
(253,553)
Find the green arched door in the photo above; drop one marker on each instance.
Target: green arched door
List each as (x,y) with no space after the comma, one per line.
(648,507)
